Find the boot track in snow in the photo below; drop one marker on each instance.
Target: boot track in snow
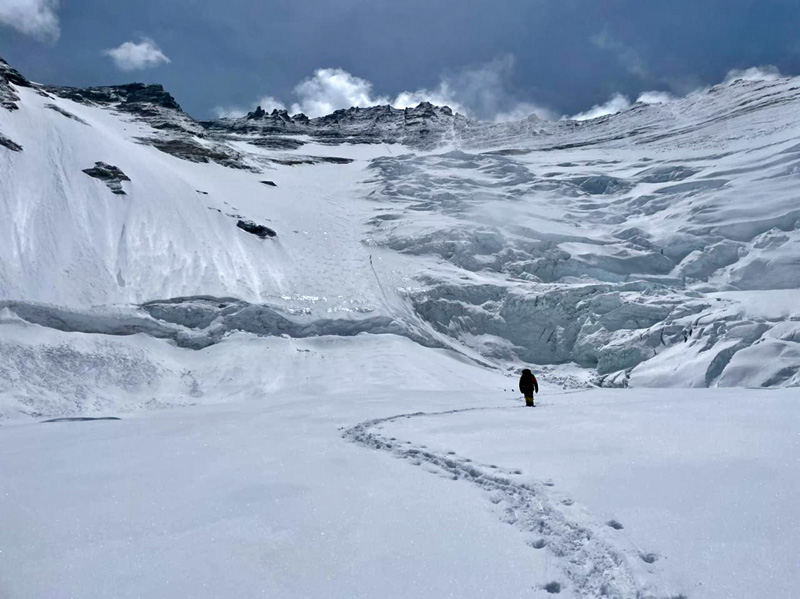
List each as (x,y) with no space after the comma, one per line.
(594,567)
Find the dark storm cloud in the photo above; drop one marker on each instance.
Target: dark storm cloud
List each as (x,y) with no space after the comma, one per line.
(529,54)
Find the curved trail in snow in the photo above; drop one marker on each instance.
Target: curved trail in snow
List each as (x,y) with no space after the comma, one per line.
(595,565)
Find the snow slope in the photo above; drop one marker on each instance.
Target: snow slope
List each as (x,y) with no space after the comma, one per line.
(73,243)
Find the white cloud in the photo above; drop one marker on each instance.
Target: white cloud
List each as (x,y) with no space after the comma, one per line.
(484,91)
(229,112)
(131,56)
(36,18)
(762,73)
(627,56)
(524,110)
(617,103)
(654,97)
(481,91)
(267,103)
(332,89)
(441,96)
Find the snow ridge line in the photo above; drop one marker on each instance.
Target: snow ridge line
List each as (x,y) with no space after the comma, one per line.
(595,569)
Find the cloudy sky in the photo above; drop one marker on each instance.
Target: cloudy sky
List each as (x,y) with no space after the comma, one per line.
(490,59)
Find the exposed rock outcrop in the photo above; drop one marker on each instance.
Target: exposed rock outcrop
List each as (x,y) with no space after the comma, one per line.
(8,75)
(258,230)
(193,151)
(112,176)
(10,144)
(148,103)
(423,126)
(295,161)
(66,113)
(136,98)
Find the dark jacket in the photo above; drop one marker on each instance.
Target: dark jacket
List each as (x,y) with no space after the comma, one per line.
(528,384)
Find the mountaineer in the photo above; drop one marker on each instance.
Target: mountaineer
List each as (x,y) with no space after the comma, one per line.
(528,386)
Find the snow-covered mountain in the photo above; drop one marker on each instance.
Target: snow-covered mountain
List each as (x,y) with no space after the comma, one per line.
(656,247)
(337,309)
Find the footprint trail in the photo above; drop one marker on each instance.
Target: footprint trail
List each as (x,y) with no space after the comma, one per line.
(594,563)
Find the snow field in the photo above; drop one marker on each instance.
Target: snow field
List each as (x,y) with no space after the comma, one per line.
(236,491)
(700,486)
(256,496)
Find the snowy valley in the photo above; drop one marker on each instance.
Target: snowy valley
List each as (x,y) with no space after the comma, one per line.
(278,317)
